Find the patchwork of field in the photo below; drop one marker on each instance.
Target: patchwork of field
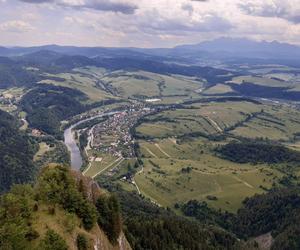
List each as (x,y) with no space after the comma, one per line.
(147,84)
(91,71)
(99,163)
(10,97)
(82,82)
(209,119)
(98,84)
(179,168)
(268,69)
(176,172)
(244,119)
(277,122)
(262,81)
(219,89)
(284,76)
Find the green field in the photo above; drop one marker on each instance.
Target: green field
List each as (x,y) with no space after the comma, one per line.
(100,163)
(278,122)
(140,83)
(245,119)
(165,153)
(209,119)
(43,148)
(263,81)
(219,89)
(82,82)
(163,181)
(12,96)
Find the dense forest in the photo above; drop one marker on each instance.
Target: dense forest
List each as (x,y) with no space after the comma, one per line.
(258,152)
(271,212)
(251,89)
(148,226)
(276,212)
(16,153)
(48,105)
(13,74)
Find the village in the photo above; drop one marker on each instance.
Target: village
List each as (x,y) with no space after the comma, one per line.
(113,135)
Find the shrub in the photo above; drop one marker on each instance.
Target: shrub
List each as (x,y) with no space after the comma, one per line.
(82,242)
(53,241)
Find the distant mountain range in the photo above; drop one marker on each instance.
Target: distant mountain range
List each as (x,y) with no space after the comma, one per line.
(222,48)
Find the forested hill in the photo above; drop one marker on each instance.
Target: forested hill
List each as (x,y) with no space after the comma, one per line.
(64,210)
(48,105)
(14,74)
(16,153)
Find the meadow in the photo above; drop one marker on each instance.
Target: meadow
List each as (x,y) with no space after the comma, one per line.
(82,82)
(140,83)
(264,81)
(180,163)
(176,172)
(219,89)
(212,118)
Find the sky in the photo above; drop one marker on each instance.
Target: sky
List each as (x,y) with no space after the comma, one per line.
(145,23)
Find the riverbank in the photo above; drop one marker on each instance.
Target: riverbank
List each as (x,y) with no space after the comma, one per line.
(70,142)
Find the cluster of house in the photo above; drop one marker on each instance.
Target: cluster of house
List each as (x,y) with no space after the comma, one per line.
(113,135)
(7,99)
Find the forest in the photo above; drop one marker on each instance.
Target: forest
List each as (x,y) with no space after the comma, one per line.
(48,105)
(13,74)
(16,153)
(276,211)
(258,152)
(148,226)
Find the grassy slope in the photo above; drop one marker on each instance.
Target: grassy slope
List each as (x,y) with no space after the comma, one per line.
(84,83)
(229,182)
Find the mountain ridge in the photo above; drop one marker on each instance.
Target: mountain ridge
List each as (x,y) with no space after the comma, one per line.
(223,44)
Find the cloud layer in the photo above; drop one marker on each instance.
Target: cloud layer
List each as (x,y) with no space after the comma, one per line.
(101,5)
(145,23)
(288,9)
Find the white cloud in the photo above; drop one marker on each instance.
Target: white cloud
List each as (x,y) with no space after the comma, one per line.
(148,23)
(287,9)
(121,6)
(17,26)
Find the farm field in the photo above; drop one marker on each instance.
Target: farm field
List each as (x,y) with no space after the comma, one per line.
(262,81)
(276,123)
(10,97)
(180,163)
(167,181)
(84,83)
(91,71)
(148,84)
(244,119)
(212,118)
(99,162)
(218,90)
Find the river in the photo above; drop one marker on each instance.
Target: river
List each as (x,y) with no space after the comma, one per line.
(69,139)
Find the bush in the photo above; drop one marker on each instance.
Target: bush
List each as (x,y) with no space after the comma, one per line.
(53,241)
(70,222)
(82,242)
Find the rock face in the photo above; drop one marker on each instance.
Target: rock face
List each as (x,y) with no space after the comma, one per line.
(88,186)
(92,191)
